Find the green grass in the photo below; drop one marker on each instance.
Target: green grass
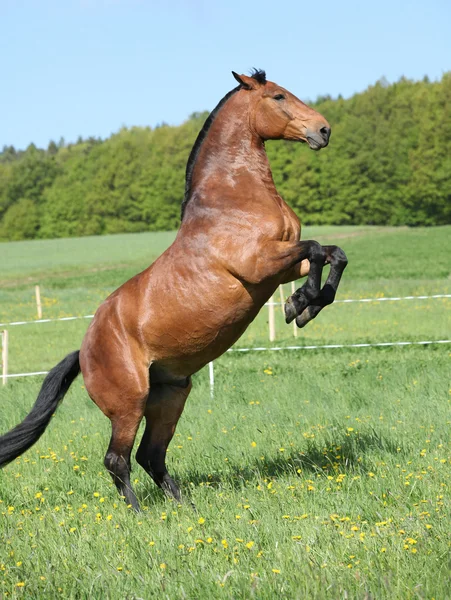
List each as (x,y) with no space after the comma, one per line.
(315,474)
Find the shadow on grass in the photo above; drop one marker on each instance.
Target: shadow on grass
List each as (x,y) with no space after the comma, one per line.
(342,456)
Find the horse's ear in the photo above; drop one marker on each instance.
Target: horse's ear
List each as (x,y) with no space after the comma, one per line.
(248,83)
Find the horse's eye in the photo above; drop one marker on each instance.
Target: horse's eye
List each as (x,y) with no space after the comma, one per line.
(279,97)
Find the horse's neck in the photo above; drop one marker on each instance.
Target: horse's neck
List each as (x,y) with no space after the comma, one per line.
(232,164)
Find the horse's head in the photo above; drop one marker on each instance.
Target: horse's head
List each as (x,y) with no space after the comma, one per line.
(276,113)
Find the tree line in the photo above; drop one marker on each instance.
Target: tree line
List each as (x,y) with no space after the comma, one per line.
(388,163)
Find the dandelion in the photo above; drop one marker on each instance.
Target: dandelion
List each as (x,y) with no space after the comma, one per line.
(277,571)
(249,545)
(201,520)
(96,494)
(224,543)
(20,584)
(253,444)
(163,566)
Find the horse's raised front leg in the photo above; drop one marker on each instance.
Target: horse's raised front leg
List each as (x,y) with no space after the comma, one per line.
(338,261)
(304,296)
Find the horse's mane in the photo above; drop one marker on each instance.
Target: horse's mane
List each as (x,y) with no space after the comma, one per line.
(257,74)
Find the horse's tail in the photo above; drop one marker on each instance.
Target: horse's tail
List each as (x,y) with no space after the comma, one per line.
(55,386)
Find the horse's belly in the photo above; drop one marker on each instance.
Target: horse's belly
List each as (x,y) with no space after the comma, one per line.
(194,340)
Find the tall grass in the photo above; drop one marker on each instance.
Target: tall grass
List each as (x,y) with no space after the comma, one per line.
(314,474)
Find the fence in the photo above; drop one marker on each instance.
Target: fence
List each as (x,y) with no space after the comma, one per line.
(271,321)
(271,304)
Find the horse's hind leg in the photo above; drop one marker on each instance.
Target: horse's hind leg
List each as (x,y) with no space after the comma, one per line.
(338,261)
(164,407)
(117,458)
(122,396)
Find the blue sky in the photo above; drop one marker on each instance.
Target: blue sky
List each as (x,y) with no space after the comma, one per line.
(89,67)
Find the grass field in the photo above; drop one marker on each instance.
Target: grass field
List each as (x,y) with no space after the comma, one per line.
(315,474)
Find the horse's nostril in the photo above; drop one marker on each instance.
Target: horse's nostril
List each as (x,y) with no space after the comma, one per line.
(325,132)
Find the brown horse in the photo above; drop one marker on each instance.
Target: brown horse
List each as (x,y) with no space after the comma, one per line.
(237,242)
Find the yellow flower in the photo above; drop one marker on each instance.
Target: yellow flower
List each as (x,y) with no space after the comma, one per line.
(20,584)
(253,444)
(201,521)
(96,494)
(163,566)
(249,545)
(224,543)
(276,570)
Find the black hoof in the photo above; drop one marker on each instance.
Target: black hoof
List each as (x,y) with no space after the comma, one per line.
(290,310)
(307,315)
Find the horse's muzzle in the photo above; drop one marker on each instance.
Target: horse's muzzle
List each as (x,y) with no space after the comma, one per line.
(318,139)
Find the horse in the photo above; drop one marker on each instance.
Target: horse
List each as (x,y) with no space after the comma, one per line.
(238,240)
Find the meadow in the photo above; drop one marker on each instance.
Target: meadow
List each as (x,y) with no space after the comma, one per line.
(314,474)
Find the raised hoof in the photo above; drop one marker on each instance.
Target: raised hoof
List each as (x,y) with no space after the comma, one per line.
(290,310)
(307,315)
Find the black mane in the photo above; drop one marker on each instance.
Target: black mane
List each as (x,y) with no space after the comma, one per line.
(260,76)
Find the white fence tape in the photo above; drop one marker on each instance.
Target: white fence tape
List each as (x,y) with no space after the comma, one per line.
(332,346)
(276,348)
(394,299)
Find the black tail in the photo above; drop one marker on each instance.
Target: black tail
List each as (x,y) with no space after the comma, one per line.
(55,386)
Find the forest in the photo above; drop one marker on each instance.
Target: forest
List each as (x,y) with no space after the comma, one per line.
(388,163)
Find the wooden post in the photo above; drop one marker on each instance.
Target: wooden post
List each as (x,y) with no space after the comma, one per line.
(4,356)
(282,298)
(212,379)
(295,327)
(38,300)
(272,320)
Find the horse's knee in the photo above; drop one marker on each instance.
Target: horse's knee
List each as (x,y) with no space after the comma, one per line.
(338,258)
(317,253)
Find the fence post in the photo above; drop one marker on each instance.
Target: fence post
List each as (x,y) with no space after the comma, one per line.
(4,356)
(212,379)
(37,291)
(295,327)
(272,320)
(282,297)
